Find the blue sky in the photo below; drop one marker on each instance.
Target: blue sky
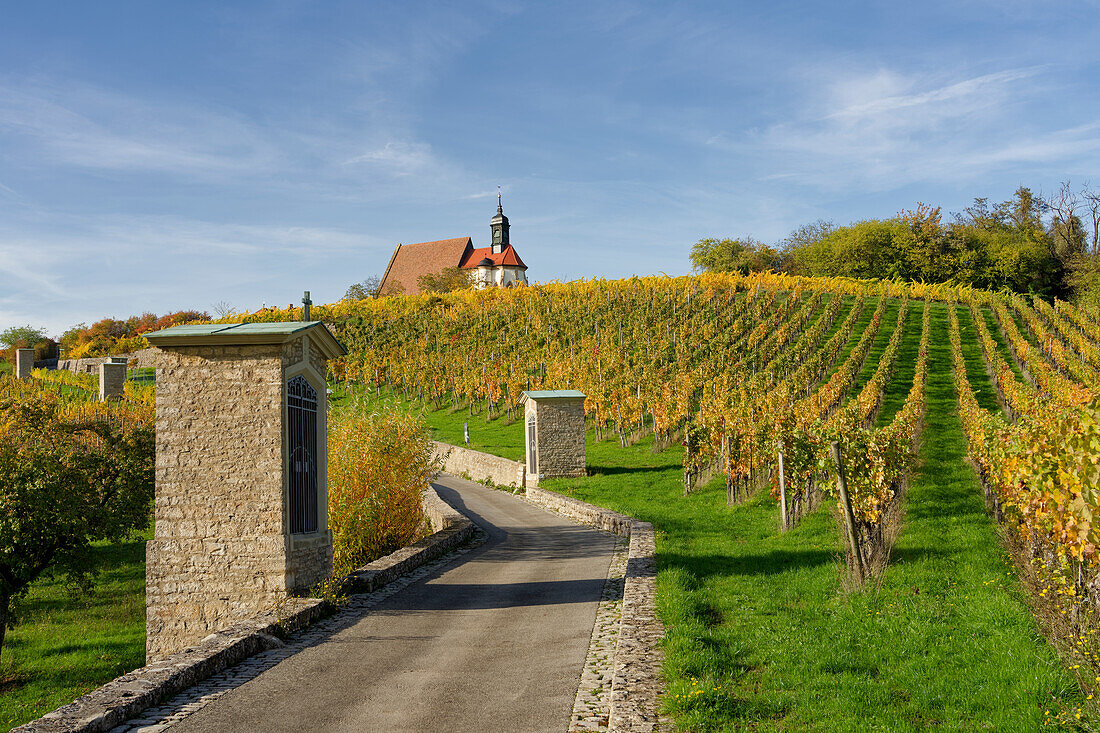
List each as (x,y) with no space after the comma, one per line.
(160,156)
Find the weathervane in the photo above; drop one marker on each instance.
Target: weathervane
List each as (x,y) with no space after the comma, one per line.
(499,210)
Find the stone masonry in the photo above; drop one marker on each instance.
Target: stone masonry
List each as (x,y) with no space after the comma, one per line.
(479,466)
(24,363)
(111,378)
(222,550)
(554,423)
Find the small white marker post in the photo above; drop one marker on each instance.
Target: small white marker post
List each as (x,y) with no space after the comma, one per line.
(466,433)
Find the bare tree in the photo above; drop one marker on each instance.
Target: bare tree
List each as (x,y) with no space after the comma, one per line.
(222,309)
(1065,225)
(1092,205)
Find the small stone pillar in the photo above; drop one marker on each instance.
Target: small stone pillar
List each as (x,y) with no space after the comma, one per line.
(554,433)
(24,362)
(111,378)
(241,503)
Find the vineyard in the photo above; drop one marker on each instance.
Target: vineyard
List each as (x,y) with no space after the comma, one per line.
(724,408)
(739,369)
(732,373)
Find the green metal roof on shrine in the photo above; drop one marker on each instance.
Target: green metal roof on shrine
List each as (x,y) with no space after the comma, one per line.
(227,334)
(549,394)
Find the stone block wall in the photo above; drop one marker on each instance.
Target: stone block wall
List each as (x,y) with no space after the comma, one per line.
(90,365)
(111,378)
(218,550)
(559,431)
(24,363)
(480,466)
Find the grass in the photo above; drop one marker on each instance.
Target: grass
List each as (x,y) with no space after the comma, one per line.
(761,634)
(67,643)
(499,436)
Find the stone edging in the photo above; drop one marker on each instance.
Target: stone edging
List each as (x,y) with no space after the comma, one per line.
(128,696)
(636,681)
(452,528)
(480,467)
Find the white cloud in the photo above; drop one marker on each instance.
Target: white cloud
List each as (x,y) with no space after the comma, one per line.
(398,158)
(90,127)
(886,129)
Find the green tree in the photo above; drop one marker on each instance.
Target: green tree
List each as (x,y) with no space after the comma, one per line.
(734,255)
(444,281)
(362,290)
(64,485)
(26,337)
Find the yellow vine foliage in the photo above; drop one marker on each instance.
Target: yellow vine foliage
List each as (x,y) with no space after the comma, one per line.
(380,463)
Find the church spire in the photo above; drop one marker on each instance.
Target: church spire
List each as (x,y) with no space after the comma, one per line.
(499,227)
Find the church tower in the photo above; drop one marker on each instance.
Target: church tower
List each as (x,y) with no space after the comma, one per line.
(499,225)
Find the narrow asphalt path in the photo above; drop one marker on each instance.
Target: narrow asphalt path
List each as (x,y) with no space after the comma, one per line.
(494,642)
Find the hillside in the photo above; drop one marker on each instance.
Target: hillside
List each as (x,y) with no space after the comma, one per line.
(712,374)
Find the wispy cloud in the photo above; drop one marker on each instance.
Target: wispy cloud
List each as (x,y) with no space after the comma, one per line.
(79,125)
(398,158)
(888,129)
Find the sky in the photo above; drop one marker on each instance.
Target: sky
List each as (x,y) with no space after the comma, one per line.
(167,156)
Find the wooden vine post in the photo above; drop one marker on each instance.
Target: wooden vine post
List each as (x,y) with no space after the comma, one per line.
(849,515)
(782,491)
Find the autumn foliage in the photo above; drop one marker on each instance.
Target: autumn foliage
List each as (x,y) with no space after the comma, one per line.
(121,336)
(380,463)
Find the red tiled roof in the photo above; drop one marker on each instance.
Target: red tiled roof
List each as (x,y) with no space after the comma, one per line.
(507,257)
(410,261)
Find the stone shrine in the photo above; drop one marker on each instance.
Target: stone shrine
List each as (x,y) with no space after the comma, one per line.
(112,377)
(24,363)
(554,433)
(241,516)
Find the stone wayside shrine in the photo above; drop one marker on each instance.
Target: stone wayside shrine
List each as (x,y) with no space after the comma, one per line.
(241,475)
(24,362)
(112,377)
(554,435)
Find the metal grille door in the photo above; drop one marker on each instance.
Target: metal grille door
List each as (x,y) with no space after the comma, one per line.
(531,467)
(301,412)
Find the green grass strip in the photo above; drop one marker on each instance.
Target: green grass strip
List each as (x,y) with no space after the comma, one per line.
(68,642)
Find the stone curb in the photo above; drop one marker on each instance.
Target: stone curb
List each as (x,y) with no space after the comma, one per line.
(128,696)
(452,529)
(636,682)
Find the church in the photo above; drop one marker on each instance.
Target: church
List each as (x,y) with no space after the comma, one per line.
(495,266)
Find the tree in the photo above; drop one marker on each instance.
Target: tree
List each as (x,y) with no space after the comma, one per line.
(734,255)
(27,337)
(64,485)
(444,281)
(1092,205)
(1025,211)
(223,309)
(365,289)
(808,234)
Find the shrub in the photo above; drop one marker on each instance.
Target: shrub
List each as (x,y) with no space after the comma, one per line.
(68,478)
(380,463)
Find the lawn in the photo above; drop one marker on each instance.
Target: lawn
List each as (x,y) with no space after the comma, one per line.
(761,634)
(68,642)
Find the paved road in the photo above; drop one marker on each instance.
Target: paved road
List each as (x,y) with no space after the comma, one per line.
(494,642)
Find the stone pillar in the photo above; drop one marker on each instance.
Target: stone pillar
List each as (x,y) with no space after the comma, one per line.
(24,362)
(554,434)
(111,378)
(241,516)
